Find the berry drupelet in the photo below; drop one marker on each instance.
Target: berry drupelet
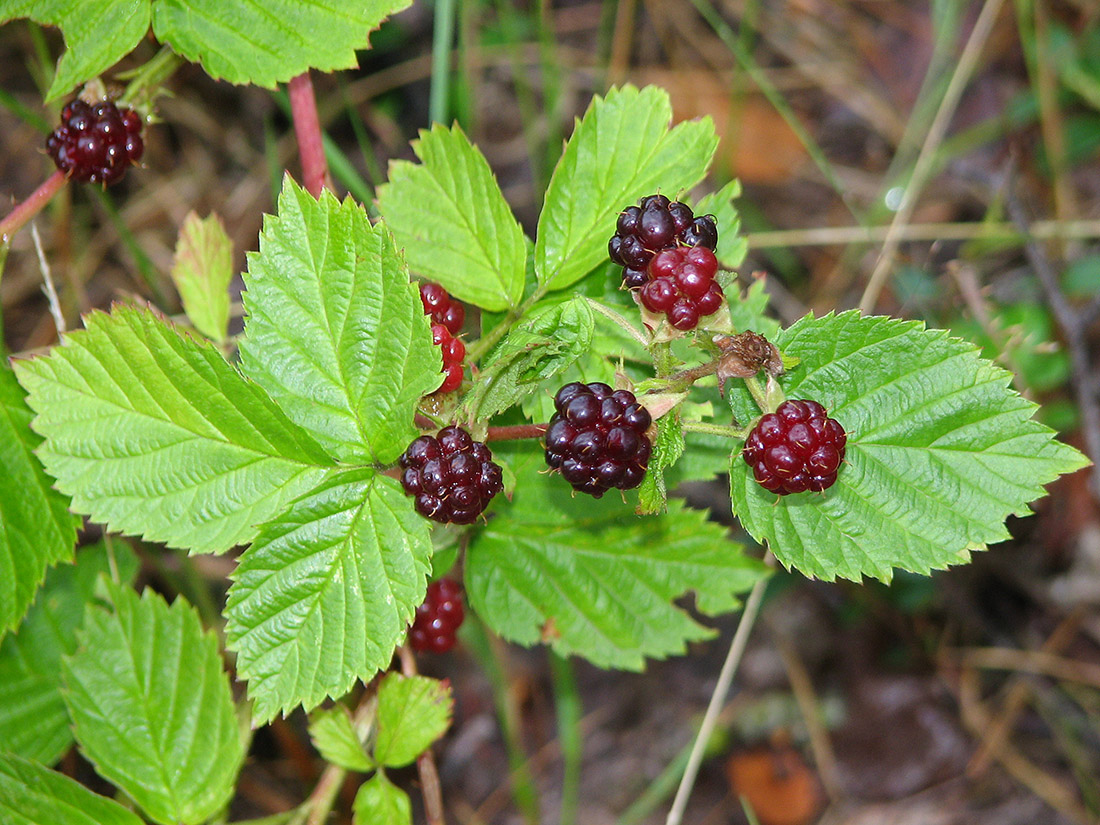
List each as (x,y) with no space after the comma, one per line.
(96,142)
(597,438)
(454,353)
(655,224)
(442,308)
(681,285)
(437,619)
(796,448)
(452,476)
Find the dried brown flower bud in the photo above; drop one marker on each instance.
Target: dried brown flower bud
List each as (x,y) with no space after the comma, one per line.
(744,355)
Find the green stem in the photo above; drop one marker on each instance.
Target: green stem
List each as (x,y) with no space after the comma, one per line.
(567,706)
(721,430)
(758,393)
(664,362)
(152,75)
(486,342)
(442,37)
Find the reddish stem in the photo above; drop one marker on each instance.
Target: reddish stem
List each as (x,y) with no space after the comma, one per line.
(19,216)
(516,432)
(307,128)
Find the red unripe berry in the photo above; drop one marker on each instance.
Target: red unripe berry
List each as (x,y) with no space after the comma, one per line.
(656,224)
(682,286)
(454,353)
(441,307)
(437,619)
(796,448)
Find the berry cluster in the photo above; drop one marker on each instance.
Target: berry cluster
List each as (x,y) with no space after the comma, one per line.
(452,476)
(681,285)
(655,224)
(442,308)
(796,448)
(97,142)
(447,316)
(437,619)
(597,438)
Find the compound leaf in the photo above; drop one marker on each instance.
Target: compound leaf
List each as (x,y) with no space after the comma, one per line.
(32,794)
(380,802)
(37,528)
(33,721)
(940,451)
(620,150)
(592,579)
(335,332)
(326,591)
(450,216)
(413,711)
(152,708)
(98,33)
(265,42)
(336,740)
(201,271)
(154,434)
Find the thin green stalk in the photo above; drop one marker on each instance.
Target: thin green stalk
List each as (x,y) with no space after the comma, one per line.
(151,76)
(567,707)
(759,395)
(551,90)
(443,33)
(24,113)
(657,791)
(775,97)
(362,139)
(529,110)
(721,430)
(523,788)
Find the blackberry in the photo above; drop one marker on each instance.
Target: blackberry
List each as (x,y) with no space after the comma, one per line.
(597,438)
(452,476)
(655,224)
(442,308)
(97,142)
(796,448)
(454,353)
(681,285)
(437,619)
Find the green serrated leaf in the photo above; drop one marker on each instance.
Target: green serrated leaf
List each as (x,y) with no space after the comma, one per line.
(335,332)
(269,42)
(732,245)
(541,346)
(413,711)
(668,446)
(36,528)
(98,33)
(33,721)
(154,434)
(450,216)
(327,590)
(380,802)
(201,271)
(152,708)
(592,579)
(621,150)
(336,740)
(32,794)
(940,451)
(748,310)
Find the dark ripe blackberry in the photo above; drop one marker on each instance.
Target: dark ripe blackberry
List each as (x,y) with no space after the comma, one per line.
(654,224)
(441,307)
(682,286)
(452,476)
(96,142)
(438,618)
(454,353)
(796,448)
(597,438)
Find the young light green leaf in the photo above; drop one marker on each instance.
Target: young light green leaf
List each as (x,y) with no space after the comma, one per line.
(413,711)
(154,434)
(592,579)
(380,802)
(335,332)
(335,739)
(748,310)
(201,271)
(269,42)
(539,347)
(732,246)
(32,794)
(327,590)
(98,33)
(621,150)
(33,721)
(940,451)
(37,528)
(667,449)
(450,216)
(152,708)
